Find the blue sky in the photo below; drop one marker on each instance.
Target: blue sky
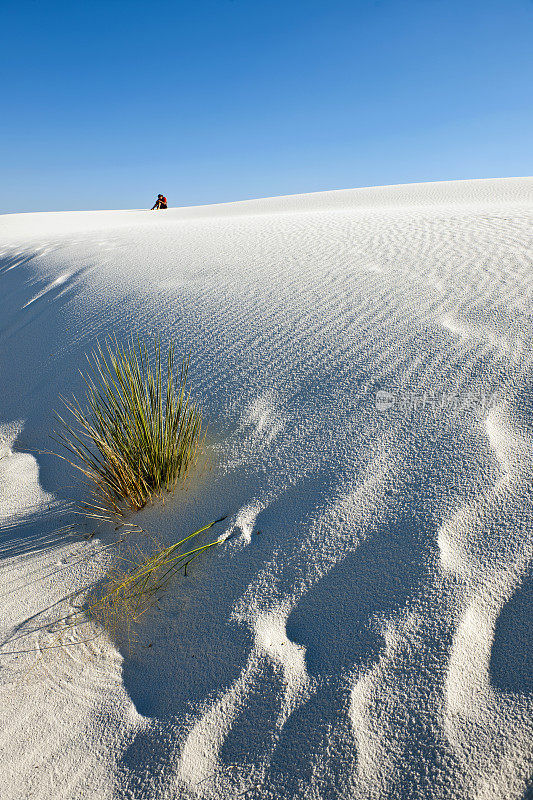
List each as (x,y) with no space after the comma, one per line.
(105,104)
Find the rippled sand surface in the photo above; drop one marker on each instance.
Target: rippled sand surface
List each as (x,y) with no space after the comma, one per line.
(364,358)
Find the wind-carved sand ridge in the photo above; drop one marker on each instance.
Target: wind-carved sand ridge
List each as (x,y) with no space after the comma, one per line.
(364,360)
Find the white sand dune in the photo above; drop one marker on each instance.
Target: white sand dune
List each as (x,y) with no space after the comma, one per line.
(364,358)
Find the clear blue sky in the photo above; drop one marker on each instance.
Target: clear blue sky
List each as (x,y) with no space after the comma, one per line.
(105,104)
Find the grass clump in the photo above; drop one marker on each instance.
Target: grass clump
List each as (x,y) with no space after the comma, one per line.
(136,436)
(138,433)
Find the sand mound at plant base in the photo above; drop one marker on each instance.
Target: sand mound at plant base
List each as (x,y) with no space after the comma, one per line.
(364,359)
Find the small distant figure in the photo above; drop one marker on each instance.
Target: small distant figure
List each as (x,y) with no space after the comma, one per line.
(161,202)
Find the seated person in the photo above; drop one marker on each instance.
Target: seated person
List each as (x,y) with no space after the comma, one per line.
(161,202)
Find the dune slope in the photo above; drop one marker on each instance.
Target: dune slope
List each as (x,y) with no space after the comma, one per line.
(364,359)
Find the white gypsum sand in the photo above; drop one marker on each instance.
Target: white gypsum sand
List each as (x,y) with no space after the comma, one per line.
(364,360)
